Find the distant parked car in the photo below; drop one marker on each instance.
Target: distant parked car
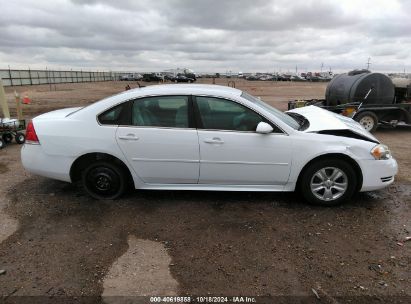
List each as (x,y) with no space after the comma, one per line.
(168,77)
(125,77)
(206,137)
(266,78)
(131,77)
(251,77)
(183,78)
(297,78)
(152,77)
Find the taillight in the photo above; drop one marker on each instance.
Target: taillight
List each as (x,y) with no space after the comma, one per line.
(31,136)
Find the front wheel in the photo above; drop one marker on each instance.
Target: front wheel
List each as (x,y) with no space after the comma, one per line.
(104,180)
(20,138)
(328,182)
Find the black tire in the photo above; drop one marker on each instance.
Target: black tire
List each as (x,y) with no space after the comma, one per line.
(2,143)
(7,138)
(104,181)
(368,120)
(309,176)
(20,138)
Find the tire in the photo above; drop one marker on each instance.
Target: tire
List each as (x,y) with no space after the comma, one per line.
(7,138)
(368,120)
(20,138)
(330,191)
(2,143)
(103,180)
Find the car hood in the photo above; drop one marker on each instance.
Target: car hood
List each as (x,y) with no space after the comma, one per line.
(323,121)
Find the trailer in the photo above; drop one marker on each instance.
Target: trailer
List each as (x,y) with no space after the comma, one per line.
(372,99)
(12,128)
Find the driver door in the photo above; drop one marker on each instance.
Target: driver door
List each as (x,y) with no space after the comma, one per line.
(232,153)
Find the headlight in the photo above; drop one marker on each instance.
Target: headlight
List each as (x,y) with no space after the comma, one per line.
(381,152)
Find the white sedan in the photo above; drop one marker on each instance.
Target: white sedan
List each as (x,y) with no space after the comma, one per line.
(206,137)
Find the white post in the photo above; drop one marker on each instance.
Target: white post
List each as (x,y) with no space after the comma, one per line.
(3,101)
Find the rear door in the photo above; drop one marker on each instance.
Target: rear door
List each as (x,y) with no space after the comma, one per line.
(232,153)
(161,143)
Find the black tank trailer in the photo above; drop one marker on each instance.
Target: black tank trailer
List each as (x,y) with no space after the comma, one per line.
(369,98)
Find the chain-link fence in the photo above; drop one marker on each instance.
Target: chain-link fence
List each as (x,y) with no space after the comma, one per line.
(34,77)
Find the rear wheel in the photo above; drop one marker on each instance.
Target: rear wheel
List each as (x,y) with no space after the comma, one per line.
(104,180)
(368,120)
(328,182)
(7,138)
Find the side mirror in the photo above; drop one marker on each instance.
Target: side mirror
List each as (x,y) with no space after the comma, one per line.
(264,128)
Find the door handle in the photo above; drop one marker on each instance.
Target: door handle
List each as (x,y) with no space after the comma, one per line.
(214,140)
(128,137)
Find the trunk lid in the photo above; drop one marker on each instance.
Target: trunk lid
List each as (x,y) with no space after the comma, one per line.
(57,114)
(322,120)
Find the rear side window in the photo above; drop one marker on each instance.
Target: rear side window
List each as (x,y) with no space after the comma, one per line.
(114,116)
(161,111)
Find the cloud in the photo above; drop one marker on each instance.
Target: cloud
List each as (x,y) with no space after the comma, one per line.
(207,35)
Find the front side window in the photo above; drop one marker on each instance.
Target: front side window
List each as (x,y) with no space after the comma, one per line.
(161,111)
(222,114)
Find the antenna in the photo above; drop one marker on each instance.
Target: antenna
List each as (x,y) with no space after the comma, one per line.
(368,63)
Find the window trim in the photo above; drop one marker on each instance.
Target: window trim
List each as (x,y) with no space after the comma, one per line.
(199,124)
(129,104)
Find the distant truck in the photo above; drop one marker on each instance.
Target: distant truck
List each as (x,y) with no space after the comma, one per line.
(372,99)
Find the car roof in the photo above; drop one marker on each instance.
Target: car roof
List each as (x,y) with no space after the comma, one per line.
(164,89)
(192,89)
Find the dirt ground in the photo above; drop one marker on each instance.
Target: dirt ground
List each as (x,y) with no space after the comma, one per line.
(58,245)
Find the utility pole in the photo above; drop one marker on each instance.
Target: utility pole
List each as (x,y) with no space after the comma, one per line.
(368,63)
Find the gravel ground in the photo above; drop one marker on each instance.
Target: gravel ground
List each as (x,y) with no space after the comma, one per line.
(60,245)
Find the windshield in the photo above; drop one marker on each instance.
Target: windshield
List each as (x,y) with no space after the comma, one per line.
(277,113)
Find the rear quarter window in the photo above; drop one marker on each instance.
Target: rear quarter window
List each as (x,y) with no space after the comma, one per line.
(114,116)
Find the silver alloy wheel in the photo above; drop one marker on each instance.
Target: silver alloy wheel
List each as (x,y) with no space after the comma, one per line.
(367,122)
(329,183)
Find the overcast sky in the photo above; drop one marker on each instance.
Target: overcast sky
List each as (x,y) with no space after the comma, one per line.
(206,35)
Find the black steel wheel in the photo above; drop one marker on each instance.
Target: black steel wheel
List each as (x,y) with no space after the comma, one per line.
(368,120)
(7,138)
(328,182)
(104,180)
(20,138)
